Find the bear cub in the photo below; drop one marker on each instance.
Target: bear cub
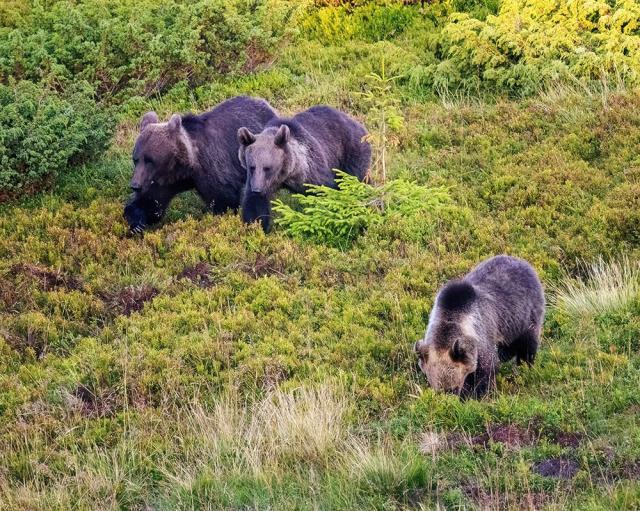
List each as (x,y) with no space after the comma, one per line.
(492,315)
(191,152)
(294,152)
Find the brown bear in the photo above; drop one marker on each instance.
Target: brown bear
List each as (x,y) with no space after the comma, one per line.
(493,314)
(299,151)
(191,152)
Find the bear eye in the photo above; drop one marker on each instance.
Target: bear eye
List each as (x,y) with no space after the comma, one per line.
(148,161)
(252,168)
(267,169)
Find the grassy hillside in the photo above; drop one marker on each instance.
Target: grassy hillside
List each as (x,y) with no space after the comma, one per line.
(210,366)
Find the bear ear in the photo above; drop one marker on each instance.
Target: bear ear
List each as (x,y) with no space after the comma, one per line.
(458,353)
(282,137)
(148,118)
(245,137)
(175,123)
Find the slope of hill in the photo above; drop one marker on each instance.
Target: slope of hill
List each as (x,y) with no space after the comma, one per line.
(210,366)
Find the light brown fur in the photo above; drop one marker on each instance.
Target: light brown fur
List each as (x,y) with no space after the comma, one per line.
(440,366)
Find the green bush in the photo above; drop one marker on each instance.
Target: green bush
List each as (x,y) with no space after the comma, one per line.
(140,47)
(477,8)
(532,44)
(337,216)
(42,132)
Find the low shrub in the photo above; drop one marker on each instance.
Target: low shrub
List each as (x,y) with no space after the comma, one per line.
(338,216)
(42,132)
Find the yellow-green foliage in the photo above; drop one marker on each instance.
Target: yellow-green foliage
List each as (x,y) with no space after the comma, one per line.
(371,22)
(531,43)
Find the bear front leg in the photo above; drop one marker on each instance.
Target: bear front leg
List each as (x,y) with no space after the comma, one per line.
(136,217)
(478,383)
(143,211)
(526,348)
(257,207)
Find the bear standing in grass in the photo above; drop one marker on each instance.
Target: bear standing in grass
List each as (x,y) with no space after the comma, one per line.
(294,152)
(493,314)
(191,152)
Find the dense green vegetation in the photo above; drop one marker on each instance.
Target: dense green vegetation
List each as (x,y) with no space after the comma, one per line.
(210,366)
(43,133)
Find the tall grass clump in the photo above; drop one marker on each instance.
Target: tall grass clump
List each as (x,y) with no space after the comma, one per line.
(306,426)
(605,287)
(293,442)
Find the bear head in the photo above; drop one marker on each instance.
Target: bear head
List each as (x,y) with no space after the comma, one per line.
(163,154)
(448,354)
(264,156)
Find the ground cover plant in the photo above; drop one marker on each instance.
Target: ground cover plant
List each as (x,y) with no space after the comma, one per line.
(207,365)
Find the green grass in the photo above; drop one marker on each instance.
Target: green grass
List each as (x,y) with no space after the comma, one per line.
(209,366)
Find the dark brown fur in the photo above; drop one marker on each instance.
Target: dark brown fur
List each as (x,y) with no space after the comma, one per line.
(191,152)
(493,314)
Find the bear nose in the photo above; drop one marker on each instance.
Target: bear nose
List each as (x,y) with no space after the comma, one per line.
(255,187)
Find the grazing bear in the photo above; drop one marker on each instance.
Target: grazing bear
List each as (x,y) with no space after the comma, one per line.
(297,151)
(493,314)
(191,151)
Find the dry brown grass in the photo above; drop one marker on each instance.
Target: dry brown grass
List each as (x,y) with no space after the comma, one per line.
(606,286)
(306,425)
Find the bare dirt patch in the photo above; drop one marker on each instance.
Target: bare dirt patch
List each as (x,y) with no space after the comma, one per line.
(515,437)
(566,439)
(265,266)
(560,468)
(91,404)
(199,274)
(508,434)
(130,299)
(47,278)
(631,470)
